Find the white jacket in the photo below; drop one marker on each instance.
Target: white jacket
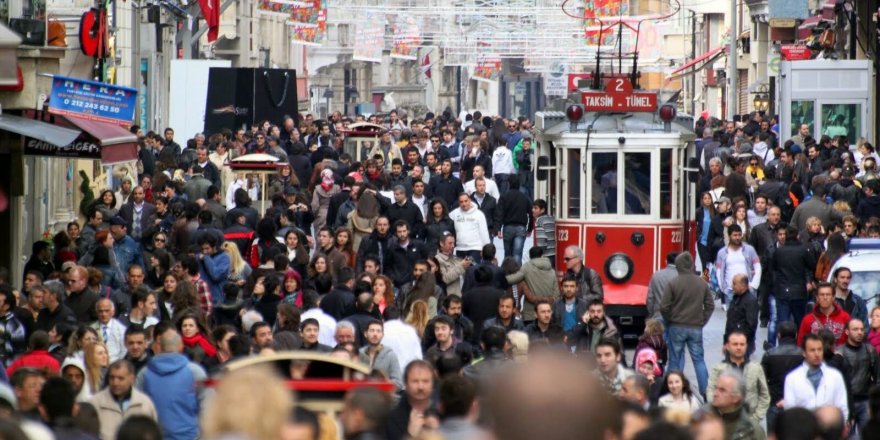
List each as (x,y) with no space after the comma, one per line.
(799,391)
(491,187)
(471,231)
(502,161)
(404,340)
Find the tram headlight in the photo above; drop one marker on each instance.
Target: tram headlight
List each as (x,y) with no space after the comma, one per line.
(619,268)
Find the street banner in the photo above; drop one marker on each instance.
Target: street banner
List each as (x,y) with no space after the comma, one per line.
(488,68)
(605,10)
(307,35)
(313,14)
(281,8)
(370,41)
(407,36)
(92,100)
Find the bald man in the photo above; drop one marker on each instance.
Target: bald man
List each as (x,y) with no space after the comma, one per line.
(110,330)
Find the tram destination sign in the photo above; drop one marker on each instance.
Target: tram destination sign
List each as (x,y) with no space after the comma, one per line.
(619,97)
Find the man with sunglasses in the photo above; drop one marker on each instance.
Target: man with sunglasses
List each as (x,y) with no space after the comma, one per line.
(589,282)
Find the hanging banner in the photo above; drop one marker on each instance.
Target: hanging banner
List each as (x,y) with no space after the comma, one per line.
(488,68)
(407,36)
(92,100)
(605,10)
(281,8)
(307,35)
(313,14)
(370,41)
(556,81)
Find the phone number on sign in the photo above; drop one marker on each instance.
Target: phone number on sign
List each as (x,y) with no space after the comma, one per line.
(91,106)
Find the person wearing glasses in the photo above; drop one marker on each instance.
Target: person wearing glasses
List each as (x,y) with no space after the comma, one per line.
(589,282)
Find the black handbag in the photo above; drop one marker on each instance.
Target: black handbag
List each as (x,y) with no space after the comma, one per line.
(31,30)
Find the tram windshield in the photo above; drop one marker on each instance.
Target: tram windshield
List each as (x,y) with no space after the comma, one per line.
(629,195)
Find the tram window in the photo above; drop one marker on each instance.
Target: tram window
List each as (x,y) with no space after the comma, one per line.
(604,183)
(574,183)
(666,181)
(637,183)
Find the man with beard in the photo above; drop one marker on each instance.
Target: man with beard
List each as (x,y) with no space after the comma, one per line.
(544,329)
(844,297)
(863,365)
(447,343)
(593,327)
(505,317)
(378,356)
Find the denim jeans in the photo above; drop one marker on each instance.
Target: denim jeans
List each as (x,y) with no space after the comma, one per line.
(860,417)
(772,413)
(771,323)
(503,182)
(790,310)
(692,338)
(514,239)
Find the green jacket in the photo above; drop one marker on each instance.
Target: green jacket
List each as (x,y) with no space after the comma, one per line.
(757,398)
(540,276)
(739,426)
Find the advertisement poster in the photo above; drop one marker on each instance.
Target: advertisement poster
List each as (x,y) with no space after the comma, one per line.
(556,81)
(407,36)
(488,68)
(370,42)
(307,35)
(92,100)
(605,10)
(283,8)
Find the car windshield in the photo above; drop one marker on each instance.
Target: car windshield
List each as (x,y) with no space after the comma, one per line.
(866,284)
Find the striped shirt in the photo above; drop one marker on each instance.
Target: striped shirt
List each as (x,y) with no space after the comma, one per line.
(545,234)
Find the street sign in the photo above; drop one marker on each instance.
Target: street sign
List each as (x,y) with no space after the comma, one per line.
(92,100)
(795,52)
(783,22)
(619,97)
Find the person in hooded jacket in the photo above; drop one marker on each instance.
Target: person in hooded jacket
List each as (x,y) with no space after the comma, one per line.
(869,206)
(173,384)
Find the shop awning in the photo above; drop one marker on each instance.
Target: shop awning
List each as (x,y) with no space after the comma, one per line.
(9,42)
(700,62)
(117,144)
(41,131)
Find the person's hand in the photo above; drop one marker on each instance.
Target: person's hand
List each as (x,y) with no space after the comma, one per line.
(466,263)
(416,422)
(780,404)
(240,283)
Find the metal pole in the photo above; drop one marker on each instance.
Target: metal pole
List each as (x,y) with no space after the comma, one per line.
(732,80)
(693,69)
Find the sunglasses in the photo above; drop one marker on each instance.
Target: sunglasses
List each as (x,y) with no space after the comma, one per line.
(754,164)
(567,259)
(160,240)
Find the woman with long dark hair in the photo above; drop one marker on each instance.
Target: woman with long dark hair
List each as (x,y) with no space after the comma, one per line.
(266,243)
(297,252)
(159,264)
(343,243)
(705,214)
(438,225)
(197,343)
(836,249)
(677,393)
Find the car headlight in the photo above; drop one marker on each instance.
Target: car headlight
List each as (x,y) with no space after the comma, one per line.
(619,268)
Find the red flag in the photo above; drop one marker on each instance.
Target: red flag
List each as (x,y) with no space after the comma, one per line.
(426,65)
(211,12)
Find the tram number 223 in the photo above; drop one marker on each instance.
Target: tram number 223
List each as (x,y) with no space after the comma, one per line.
(562,235)
(676,236)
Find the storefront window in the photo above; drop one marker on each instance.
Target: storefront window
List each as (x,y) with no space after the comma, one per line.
(842,120)
(637,181)
(604,183)
(802,112)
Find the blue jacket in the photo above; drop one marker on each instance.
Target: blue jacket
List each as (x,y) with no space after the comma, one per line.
(855,305)
(171,381)
(128,252)
(214,270)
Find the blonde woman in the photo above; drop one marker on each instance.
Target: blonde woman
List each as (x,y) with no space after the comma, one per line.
(418,316)
(236,410)
(239,270)
(97,360)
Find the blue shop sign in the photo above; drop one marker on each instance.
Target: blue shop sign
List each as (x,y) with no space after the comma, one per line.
(93,100)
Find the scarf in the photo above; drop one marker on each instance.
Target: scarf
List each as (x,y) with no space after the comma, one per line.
(200,340)
(374,175)
(327,179)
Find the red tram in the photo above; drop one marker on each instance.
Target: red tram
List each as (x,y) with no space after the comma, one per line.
(616,182)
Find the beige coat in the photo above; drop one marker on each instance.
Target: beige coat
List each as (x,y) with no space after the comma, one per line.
(111,415)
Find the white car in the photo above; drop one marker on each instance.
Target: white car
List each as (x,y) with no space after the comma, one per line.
(863,260)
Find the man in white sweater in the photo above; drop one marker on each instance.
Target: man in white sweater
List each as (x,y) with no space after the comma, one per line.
(814,384)
(471,231)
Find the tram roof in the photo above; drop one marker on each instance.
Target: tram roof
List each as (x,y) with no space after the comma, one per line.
(554,123)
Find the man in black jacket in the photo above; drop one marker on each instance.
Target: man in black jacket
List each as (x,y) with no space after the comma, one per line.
(402,254)
(375,244)
(777,363)
(446,186)
(404,209)
(761,237)
(861,360)
(742,315)
(481,302)
(486,203)
(513,216)
(793,267)
(339,303)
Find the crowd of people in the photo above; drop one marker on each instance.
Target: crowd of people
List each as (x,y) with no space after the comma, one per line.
(120,323)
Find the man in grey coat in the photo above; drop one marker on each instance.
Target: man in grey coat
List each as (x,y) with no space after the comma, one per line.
(658,284)
(686,307)
(378,356)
